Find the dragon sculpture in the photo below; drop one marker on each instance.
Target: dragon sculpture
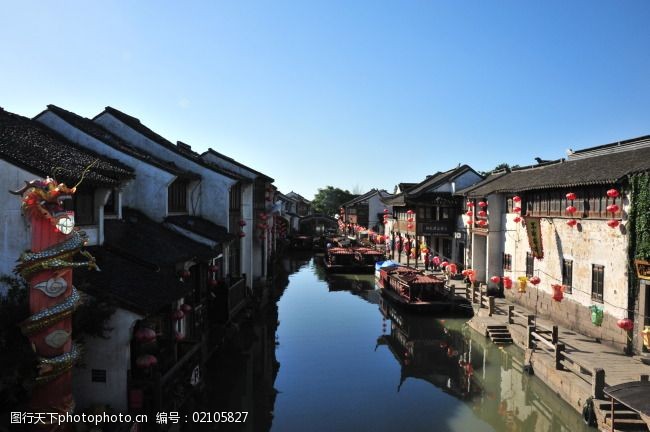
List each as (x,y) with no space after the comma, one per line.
(47,267)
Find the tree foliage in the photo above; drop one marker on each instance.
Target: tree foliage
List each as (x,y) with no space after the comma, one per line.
(328,200)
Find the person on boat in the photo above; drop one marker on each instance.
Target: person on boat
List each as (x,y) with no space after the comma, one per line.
(407,250)
(398,246)
(426,258)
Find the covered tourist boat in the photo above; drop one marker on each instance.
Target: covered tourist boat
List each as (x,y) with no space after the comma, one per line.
(340,260)
(367,258)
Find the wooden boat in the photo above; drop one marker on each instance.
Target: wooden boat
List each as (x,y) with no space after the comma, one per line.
(367,258)
(417,291)
(340,260)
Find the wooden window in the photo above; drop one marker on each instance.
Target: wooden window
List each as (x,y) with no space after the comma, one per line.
(98,375)
(177,196)
(509,205)
(567,275)
(507,261)
(444,213)
(421,212)
(530,264)
(235,197)
(84,207)
(597,282)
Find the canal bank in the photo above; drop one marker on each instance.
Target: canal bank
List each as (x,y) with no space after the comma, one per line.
(576,367)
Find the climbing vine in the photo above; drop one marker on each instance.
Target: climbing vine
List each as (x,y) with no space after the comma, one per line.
(639,225)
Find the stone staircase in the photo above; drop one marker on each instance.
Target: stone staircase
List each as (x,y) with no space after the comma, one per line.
(499,334)
(624,418)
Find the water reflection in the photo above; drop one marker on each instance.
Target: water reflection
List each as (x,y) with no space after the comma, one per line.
(330,354)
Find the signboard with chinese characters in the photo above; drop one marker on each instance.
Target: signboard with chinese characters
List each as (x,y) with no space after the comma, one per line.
(534,231)
(441,228)
(642,269)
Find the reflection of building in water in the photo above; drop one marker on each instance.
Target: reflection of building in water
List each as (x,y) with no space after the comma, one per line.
(428,350)
(513,400)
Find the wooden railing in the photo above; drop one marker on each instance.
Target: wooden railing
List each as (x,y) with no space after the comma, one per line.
(547,339)
(478,295)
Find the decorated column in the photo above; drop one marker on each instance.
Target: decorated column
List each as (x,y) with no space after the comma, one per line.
(47,268)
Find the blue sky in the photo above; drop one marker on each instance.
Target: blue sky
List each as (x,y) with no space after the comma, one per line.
(353,94)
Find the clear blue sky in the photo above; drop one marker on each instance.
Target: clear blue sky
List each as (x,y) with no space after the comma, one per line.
(353,94)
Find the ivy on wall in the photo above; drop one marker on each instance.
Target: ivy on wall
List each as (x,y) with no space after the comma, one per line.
(639,223)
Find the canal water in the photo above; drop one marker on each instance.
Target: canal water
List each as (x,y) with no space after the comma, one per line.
(332,355)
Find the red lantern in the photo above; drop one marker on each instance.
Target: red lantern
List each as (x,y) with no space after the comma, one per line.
(242,223)
(178,336)
(145,335)
(516,198)
(410,212)
(571,209)
(409,220)
(572,222)
(242,234)
(185,274)
(558,292)
(444,264)
(613,223)
(517,209)
(409,226)
(482,222)
(386,211)
(469,221)
(469,213)
(470,204)
(213,268)
(535,280)
(186,308)
(146,361)
(613,208)
(571,196)
(213,282)
(482,204)
(178,315)
(482,213)
(507,282)
(495,279)
(625,324)
(516,219)
(612,193)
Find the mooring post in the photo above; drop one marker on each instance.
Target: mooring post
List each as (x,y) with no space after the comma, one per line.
(490,305)
(511,317)
(598,383)
(530,343)
(555,335)
(531,320)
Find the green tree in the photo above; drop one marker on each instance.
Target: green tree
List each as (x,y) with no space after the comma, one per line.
(328,200)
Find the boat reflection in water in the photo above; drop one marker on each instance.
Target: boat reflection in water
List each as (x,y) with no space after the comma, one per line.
(490,379)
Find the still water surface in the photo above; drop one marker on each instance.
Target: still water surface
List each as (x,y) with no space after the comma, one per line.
(349,361)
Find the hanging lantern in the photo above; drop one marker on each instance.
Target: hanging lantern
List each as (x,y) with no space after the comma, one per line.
(409,226)
(516,219)
(213,282)
(213,268)
(186,308)
(469,213)
(385,210)
(613,208)
(409,212)
(558,292)
(482,222)
(146,361)
(613,223)
(470,204)
(482,213)
(523,283)
(178,315)
(535,280)
(596,315)
(507,282)
(572,222)
(469,221)
(179,336)
(571,196)
(409,220)
(612,193)
(444,264)
(517,209)
(495,279)
(242,234)
(242,223)
(482,204)
(185,274)
(571,209)
(625,324)
(145,335)
(516,198)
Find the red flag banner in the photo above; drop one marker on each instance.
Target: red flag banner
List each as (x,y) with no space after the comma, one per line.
(534,230)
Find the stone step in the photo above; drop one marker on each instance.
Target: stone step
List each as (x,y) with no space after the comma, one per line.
(502,340)
(498,332)
(607,406)
(497,327)
(627,424)
(623,414)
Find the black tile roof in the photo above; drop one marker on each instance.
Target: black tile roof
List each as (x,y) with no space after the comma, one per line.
(97,131)
(297,197)
(181,149)
(603,169)
(418,189)
(133,285)
(148,241)
(30,145)
(239,164)
(202,227)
